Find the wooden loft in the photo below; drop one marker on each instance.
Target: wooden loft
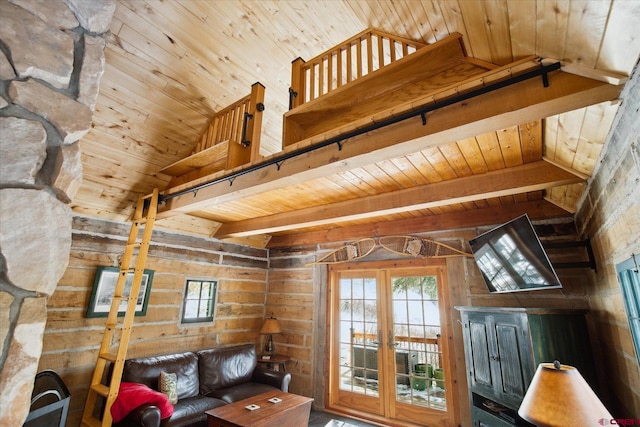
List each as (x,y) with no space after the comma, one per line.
(392,99)
(374,76)
(231,139)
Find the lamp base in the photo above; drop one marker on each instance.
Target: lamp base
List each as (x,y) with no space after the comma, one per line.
(268,348)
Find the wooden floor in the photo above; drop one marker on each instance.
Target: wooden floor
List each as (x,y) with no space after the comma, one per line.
(325,419)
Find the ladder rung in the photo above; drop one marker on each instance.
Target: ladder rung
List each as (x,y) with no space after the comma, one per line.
(92,422)
(101,389)
(108,356)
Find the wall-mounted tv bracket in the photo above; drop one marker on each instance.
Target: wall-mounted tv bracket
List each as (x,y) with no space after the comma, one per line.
(574,244)
(542,71)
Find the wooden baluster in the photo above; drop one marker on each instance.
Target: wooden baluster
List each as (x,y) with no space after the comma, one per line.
(392,48)
(330,72)
(381,53)
(369,54)
(359,58)
(339,68)
(321,65)
(213,129)
(349,63)
(312,81)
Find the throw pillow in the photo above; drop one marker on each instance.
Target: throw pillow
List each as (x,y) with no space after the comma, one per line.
(169,386)
(132,395)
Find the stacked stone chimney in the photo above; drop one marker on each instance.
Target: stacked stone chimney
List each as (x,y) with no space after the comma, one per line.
(51,62)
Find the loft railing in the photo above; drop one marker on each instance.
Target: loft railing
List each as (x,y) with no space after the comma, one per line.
(355,58)
(232,123)
(231,139)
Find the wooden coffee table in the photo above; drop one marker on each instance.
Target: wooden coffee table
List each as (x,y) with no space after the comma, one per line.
(292,411)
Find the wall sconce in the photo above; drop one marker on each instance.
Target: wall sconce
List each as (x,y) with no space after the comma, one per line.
(560,396)
(271,326)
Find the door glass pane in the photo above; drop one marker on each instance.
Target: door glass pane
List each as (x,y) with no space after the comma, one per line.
(416,328)
(358,336)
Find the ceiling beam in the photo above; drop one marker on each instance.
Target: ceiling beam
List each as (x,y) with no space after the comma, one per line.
(519,103)
(537,211)
(519,179)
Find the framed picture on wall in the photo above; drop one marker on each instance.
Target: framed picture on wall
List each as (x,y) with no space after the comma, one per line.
(104,287)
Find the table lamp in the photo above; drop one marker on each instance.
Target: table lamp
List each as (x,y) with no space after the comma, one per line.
(271,326)
(560,396)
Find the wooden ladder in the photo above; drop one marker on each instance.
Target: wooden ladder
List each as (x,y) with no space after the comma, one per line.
(118,329)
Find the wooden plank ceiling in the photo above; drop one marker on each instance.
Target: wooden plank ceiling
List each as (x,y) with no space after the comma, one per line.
(171,65)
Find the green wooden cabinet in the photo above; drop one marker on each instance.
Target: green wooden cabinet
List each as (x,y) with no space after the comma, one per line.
(503,348)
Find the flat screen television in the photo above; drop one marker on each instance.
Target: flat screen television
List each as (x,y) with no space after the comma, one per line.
(511,258)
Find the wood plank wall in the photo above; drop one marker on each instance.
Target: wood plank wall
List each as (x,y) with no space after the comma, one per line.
(254,284)
(609,215)
(292,299)
(71,340)
(297,296)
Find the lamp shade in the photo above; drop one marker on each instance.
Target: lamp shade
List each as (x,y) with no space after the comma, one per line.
(560,396)
(271,326)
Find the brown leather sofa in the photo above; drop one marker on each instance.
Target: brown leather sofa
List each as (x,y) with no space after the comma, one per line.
(206,380)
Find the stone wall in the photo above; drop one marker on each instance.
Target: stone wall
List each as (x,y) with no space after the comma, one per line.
(610,215)
(51,61)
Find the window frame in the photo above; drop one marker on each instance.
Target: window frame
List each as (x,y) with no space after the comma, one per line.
(210,300)
(629,279)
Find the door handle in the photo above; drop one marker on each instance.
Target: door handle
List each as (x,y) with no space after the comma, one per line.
(244,141)
(390,341)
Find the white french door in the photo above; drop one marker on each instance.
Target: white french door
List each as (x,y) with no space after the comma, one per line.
(388,359)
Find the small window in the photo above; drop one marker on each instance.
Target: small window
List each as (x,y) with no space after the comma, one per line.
(630,283)
(199,301)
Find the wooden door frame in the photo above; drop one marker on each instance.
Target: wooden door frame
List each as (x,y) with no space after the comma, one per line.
(451,416)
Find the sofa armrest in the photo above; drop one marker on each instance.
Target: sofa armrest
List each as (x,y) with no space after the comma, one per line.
(273,378)
(145,415)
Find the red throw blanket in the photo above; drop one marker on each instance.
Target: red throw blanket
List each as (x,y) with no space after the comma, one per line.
(132,395)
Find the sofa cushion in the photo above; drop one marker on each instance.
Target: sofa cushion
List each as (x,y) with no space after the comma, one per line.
(146,370)
(169,386)
(191,412)
(241,391)
(226,366)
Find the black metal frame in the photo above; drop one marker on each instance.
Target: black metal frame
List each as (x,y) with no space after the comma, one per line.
(42,415)
(574,244)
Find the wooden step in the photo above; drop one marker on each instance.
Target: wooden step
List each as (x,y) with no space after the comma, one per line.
(215,155)
(109,357)
(91,422)
(100,389)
